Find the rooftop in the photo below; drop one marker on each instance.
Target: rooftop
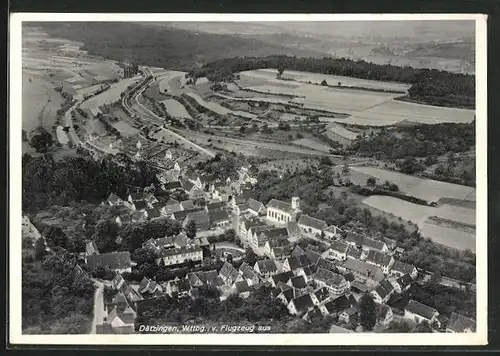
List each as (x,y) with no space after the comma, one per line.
(312,222)
(420,309)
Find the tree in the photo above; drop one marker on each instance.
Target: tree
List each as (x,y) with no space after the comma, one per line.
(368,312)
(191,229)
(345,170)
(250,257)
(40,140)
(24,136)
(281,69)
(371,181)
(55,236)
(326,161)
(423,327)
(40,249)
(324,83)
(105,235)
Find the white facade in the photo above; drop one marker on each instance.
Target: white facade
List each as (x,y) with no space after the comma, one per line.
(28,229)
(181,257)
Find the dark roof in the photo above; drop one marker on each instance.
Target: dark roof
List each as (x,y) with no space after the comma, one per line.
(199,217)
(359,286)
(289,294)
(171,201)
(113,198)
(375,244)
(322,294)
(216,206)
(322,263)
(153,213)
(298,251)
(312,222)
(365,269)
(310,270)
(275,232)
(280,205)
(420,309)
(259,228)
(293,228)
(201,241)
(267,266)
(141,205)
(255,205)
(138,196)
(303,303)
(404,281)
(459,323)
(278,241)
(329,277)
(298,261)
(384,289)
(282,277)
(355,238)
(339,246)
(344,302)
(187,204)
(312,256)
(298,282)
(117,280)
(402,267)
(242,286)
(209,277)
(281,251)
(112,260)
(352,252)
(227,270)
(251,222)
(181,215)
(247,271)
(172,185)
(187,185)
(138,215)
(216,216)
(349,276)
(378,258)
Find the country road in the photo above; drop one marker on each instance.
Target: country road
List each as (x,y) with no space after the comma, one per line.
(98,306)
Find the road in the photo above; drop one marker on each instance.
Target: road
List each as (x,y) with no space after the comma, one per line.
(137,109)
(98,305)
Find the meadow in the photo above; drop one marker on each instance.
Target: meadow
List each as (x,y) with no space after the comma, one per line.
(176,109)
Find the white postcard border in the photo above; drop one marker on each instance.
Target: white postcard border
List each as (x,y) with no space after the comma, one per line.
(358,339)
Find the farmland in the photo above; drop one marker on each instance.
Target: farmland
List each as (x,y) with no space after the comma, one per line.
(342,131)
(176,109)
(334,80)
(109,96)
(419,214)
(427,189)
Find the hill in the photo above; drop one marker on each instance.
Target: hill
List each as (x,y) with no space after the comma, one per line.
(162,46)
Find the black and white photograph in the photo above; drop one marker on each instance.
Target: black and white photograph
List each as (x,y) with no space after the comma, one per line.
(248,179)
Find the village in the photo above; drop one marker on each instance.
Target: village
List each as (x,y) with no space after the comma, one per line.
(312,268)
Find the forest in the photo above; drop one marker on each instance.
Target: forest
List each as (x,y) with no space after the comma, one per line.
(78,178)
(433,87)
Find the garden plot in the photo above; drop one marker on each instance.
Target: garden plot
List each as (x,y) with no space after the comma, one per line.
(418,214)
(176,109)
(427,189)
(333,80)
(109,96)
(219,109)
(342,131)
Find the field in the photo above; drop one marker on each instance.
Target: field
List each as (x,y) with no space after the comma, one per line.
(315,78)
(109,96)
(164,83)
(176,109)
(342,131)
(427,189)
(217,108)
(419,214)
(43,101)
(306,142)
(125,129)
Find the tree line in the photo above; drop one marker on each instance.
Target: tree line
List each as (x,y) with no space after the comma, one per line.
(436,87)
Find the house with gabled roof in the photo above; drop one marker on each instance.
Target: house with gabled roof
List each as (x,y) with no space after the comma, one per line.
(215,206)
(122,322)
(266,268)
(229,274)
(460,324)
(312,256)
(298,282)
(297,251)
(242,288)
(354,239)
(170,207)
(286,295)
(255,207)
(118,281)
(281,212)
(117,261)
(338,250)
(171,186)
(200,218)
(240,209)
(419,312)
(293,229)
(337,305)
(153,214)
(380,259)
(245,224)
(178,256)
(91,248)
(332,232)
(382,293)
(181,215)
(307,271)
(139,216)
(249,274)
(384,314)
(300,305)
(399,269)
(219,219)
(280,252)
(114,200)
(283,277)
(321,296)
(402,284)
(354,253)
(374,245)
(187,205)
(149,288)
(334,282)
(311,225)
(293,263)
(177,288)
(274,239)
(364,272)
(136,197)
